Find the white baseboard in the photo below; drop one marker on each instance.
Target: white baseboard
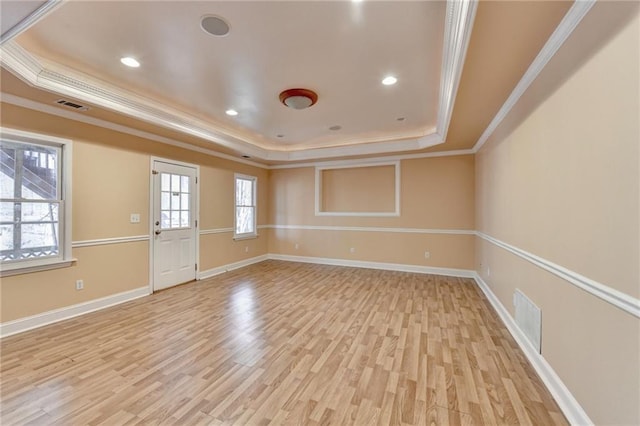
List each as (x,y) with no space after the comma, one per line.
(230,267)
(24,324)
(570,407)
(464,273)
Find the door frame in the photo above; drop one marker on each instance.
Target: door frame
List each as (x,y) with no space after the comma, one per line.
(196,193)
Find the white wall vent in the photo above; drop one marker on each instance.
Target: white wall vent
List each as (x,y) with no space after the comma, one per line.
(73,105)
(528,318)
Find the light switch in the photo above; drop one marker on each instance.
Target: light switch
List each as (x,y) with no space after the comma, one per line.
(135,217)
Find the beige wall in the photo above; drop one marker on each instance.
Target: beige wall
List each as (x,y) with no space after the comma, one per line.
(350,189)
(560,178)
(111,181)
(436,193)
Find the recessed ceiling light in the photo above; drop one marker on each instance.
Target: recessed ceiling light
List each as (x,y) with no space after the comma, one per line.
(130,62)
(400,118)
(231,112)
(280,136)
(389,80)
(215,25)
(246,156)
(336,127)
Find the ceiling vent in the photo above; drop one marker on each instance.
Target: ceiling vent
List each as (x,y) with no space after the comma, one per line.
(72,105)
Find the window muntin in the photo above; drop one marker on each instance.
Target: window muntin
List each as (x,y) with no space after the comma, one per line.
(245,206)
(31,202)
(175,206)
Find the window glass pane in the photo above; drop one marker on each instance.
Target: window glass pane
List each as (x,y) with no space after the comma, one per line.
(184,202)
(40,235)
(7,159)
(175,219)
(244,192)
(7,212)
(175,183)
(165,219)
(39,212)
(6,238)
(185,184)
(40,181)
(175,201)
(165,182)
(184,219)
(244,220)
(165,199)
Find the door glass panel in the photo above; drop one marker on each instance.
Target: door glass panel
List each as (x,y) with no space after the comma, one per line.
(174,201)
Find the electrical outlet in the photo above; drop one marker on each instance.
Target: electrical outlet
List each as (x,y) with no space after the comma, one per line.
(352,250)
(427,255)
(297,246)
(246,249)
(488,271)
(79,284)
(135,218)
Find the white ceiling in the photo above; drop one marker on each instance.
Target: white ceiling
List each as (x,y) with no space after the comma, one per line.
(342,49)
(188,79)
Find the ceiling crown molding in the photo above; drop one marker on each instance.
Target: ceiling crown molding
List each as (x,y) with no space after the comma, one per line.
(30,20)
(58,79)
(457,33)
(569,23)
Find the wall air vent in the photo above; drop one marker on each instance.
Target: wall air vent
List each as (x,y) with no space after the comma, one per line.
(72,105)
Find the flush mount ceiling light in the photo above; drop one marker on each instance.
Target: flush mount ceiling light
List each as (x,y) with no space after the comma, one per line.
(231,112)
(130,62)
(389,80)
(214,25)
(298,98)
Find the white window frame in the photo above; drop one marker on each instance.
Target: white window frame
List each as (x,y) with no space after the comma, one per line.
(254,181)
(64,258)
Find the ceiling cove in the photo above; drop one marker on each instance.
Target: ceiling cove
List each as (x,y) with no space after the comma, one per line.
(53,77)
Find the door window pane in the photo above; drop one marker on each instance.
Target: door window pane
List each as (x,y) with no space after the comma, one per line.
(174,201)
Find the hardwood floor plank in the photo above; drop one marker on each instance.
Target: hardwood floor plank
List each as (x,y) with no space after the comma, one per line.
(280,343)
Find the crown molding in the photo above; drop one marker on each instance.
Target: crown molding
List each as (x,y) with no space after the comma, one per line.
(29,20)
(569,23)
(52,77)
(458,27)
(76,116)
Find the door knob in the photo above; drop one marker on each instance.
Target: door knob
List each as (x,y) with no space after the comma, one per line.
(158,232)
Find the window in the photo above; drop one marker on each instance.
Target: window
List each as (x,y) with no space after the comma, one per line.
(245,213)
(174,203)
(34,204)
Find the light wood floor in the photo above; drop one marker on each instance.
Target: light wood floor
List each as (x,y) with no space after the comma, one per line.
(283,343)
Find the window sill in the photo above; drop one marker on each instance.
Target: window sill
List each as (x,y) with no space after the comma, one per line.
(17,269)
(245,237)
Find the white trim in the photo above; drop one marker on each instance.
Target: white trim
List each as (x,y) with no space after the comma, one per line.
(570,21)
(76,116)
(28,323)
(617,298)
(203,275)
(29,20)
(355,161)
(107,241)
(570,407)
(457,33)
(376,229)
(463,273)
(39,267)
(318,189)
(215,231)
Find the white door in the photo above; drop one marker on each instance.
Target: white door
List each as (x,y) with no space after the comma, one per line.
(174,224)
